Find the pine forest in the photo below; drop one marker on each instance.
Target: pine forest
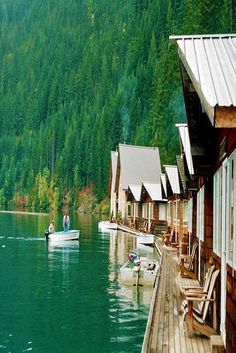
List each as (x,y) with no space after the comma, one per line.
(79,77)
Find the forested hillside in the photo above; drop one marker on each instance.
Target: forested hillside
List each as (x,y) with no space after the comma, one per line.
(78,77)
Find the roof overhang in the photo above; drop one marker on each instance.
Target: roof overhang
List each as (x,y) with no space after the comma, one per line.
(163,181)
(136,191)
(184,135)
(154,191)
(210,64)
(173,177)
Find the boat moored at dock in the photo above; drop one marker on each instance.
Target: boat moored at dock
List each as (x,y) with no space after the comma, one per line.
(139,271)
(145,238)
(107,225)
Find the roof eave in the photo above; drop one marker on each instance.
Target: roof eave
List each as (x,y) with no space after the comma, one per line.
(207,107)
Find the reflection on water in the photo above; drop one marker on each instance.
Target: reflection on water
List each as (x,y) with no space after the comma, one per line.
(138,295)
(63,246)
(67,297)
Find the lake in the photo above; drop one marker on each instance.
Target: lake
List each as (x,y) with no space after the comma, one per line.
(67,298)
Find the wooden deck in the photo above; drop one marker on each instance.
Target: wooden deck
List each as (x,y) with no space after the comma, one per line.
(166,331)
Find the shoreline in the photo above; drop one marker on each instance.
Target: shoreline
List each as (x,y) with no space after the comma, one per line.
(26,213)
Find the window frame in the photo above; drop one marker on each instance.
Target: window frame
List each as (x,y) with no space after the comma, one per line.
(200,213)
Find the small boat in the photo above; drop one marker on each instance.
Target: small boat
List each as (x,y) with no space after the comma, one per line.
(62,236)
(139,271)
(107,225)
(145,238)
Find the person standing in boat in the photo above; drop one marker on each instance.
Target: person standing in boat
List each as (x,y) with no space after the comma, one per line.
(51,227)
(66,222)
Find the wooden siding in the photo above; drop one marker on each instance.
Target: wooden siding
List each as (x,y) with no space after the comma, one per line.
(208,221)
(230,306)
(231,311)
(230,144)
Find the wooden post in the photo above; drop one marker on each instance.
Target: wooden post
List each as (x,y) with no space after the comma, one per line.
(190,319)
(217,345)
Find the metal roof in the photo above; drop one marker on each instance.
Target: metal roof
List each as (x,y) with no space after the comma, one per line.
(136,191)
(139,164)
(163,181)
(210,61)
(173,176)
(114,159)
(184,135)
(154,191)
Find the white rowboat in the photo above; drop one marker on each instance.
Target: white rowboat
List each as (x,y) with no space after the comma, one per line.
(107,225)
(145,239)
(141,273)
(63,236)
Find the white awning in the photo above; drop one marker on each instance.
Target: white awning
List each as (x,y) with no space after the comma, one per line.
(183,130)
(136,191)
(154,191)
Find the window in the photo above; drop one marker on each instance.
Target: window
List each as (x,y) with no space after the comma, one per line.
(129,210)
(200,214)
(135,210)
(168,212)
(190,215)
(224,210)
(217,212)
(230,210)
(145,210)
(151,210)
(176,212)
(185,220)
(162,211)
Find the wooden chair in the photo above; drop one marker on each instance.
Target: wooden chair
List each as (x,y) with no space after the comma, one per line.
(149,227)
(187,266)
(132,223)
(197,320)
(168,238)
(144,227)
(197,291)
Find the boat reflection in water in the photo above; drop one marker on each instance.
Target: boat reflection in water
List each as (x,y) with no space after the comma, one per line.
(69,245)
(137,295)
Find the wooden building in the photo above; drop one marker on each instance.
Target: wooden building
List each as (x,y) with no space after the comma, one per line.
(136,166)
(208,70)
(147,207)
(177,205)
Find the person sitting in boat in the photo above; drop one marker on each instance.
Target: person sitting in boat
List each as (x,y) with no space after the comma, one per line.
(51,227)
(66,222)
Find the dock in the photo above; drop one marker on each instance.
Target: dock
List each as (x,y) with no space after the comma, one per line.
(166,330)
(127,229)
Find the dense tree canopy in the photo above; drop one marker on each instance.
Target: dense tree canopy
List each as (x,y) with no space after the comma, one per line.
(78,77)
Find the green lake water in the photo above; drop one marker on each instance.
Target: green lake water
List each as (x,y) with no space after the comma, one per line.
(67,298)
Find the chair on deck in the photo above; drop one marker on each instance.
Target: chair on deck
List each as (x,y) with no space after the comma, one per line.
(198,291)
(144,227)
(196,320)
(149,227)
(187,266)
(132,223)
(169,238)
